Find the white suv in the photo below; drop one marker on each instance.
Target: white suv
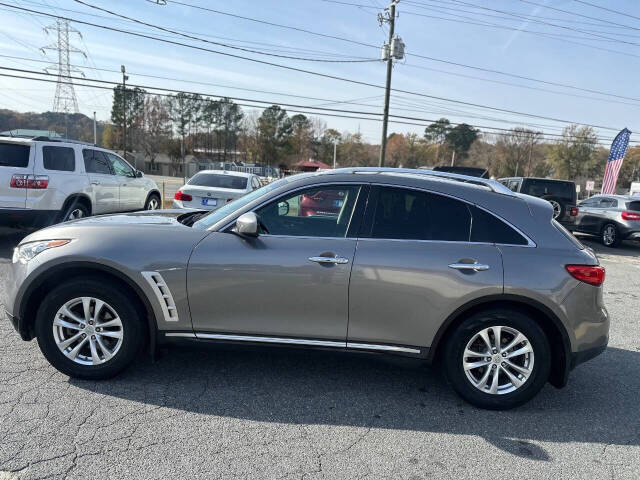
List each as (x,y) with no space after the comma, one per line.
(44,181)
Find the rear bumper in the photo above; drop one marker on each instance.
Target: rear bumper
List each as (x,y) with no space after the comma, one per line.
(580,357)
(27,218)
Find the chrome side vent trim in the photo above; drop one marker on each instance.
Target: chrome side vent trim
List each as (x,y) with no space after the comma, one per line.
(163,294)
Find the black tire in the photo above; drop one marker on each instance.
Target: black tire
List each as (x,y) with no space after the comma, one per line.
(132,327)
(74,210)
(149,204)
(559,206)
(457,342)
(608,231)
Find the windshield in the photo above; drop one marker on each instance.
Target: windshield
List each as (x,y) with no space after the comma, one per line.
(218,180)
(217,215)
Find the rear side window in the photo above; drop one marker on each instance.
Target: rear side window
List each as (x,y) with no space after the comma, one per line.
(543,188)
(633,206)
(96,162)
(12,155)
(413,215)
(487,228)
(62,159)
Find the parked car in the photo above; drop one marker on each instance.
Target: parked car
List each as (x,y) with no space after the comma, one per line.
(323,202)
(613,218)
(210,189)
(458,271)
(44,181)
(561,194)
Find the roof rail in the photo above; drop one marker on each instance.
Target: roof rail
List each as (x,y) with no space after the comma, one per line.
(65,140)
(492,185)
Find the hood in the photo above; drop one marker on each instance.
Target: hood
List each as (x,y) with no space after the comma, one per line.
(145,217)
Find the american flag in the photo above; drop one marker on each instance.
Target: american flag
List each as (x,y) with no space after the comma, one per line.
(616,157)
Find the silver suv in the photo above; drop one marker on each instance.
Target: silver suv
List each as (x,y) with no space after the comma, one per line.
(44,181)
(613,218)
(450,269)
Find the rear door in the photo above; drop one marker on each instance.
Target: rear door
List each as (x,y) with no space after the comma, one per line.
(416,262)
(15,159)
(103,183)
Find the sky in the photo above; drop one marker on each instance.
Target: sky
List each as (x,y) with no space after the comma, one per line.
(466,42)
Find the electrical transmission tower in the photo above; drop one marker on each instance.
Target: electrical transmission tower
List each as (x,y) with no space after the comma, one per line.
(65,100)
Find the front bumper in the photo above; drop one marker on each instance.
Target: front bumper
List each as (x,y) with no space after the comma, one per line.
(20,327)
(580,357)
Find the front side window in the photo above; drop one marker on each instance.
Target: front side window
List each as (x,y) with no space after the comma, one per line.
(96,162)
(608,203)
(315,212)
(414,215)
(62,159)
(120,167)
(590,202)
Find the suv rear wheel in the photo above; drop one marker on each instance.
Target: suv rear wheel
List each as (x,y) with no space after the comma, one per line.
(610,236)
(88,329)
(497,359)
(75,211)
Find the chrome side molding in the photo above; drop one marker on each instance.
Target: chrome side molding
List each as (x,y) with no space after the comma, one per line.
(295,341)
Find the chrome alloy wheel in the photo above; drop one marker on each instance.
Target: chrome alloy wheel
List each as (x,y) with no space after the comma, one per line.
(88,331)
(609,235)
(154,204)
(498,360)
(556,208)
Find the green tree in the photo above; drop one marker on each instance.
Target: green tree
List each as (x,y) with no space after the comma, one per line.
(461,137)
(274,132)
(131,103)
(572,156)
(301,137)
(437,133)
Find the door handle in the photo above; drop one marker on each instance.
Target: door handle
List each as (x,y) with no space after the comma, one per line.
(339,260)
(95,182)
(476,267)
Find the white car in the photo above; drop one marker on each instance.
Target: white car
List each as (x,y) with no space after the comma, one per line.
(210,189)
(44,181)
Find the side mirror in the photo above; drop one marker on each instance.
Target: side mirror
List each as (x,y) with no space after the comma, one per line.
(247,225)
(283,208)
(139,174)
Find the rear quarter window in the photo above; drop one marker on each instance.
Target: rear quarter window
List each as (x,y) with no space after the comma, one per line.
(62,159)
(13,155)
(487,228)
(634,206)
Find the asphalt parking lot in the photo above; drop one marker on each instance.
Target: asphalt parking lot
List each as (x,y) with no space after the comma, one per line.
(224,413)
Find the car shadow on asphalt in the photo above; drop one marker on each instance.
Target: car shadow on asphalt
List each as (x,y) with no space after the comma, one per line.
(627,248)
(599,406)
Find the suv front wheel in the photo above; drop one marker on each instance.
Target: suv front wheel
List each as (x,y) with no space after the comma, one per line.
(497,359)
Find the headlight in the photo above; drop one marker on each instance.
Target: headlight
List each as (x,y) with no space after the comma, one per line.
(25,252)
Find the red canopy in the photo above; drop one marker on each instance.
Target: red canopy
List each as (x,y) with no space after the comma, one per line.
(311,165)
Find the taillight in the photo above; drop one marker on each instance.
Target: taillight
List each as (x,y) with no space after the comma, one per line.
(182,196)
(630,216)
(34,182)
(593,275)
(573,211)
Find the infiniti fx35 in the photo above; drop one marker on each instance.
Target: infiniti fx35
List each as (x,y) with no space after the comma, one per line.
(455,270)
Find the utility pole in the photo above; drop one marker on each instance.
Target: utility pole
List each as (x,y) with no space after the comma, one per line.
(124,111)
(453,158)
(95,130)
(335,147)
(393,50)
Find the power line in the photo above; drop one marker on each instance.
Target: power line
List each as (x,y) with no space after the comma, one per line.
(226,45)
(290,107)
(425,57)
(606,9)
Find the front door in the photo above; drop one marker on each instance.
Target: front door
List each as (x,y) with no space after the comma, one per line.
(104,184)
(416,263)
(290,283)
(132,190)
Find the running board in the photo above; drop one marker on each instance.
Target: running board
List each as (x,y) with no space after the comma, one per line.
(295,341)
